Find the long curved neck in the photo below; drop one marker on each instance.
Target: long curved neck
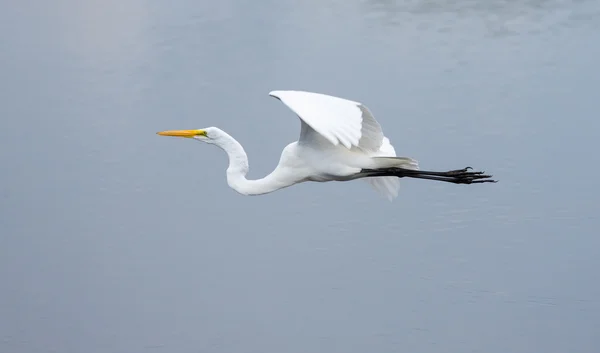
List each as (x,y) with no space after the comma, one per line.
(238,168)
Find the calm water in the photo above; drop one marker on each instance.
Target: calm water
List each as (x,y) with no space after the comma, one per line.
(116,240)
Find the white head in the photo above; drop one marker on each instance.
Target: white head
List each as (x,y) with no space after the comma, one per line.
(210,135)
(238,161)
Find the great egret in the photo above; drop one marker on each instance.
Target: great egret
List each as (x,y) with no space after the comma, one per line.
(340,140)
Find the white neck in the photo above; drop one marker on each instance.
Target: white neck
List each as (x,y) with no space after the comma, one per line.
(238,168)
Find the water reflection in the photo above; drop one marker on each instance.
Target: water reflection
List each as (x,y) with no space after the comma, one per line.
(495,18)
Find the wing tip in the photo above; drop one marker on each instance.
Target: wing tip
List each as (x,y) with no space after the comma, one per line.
(278,93)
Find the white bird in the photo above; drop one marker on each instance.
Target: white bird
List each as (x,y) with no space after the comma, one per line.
(340,140)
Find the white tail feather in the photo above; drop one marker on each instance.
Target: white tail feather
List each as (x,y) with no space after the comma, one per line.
(386,158)
(395,162)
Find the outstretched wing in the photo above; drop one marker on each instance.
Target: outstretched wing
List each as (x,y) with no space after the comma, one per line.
(338,120)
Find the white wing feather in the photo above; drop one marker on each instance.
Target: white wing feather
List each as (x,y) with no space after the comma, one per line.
(340,121)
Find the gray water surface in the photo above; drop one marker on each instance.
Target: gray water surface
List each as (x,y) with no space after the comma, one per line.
(113,239)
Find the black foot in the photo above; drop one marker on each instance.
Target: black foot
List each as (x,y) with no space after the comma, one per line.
(463,176)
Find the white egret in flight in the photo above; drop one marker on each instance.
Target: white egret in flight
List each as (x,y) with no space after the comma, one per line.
(340,140)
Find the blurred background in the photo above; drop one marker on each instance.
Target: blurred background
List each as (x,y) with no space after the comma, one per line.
(116,240)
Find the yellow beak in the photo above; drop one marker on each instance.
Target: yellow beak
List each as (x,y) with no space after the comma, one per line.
(183,133)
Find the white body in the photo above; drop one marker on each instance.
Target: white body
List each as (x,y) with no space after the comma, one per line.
(338,139)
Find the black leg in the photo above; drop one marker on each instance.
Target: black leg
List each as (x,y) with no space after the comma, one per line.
(458,176)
